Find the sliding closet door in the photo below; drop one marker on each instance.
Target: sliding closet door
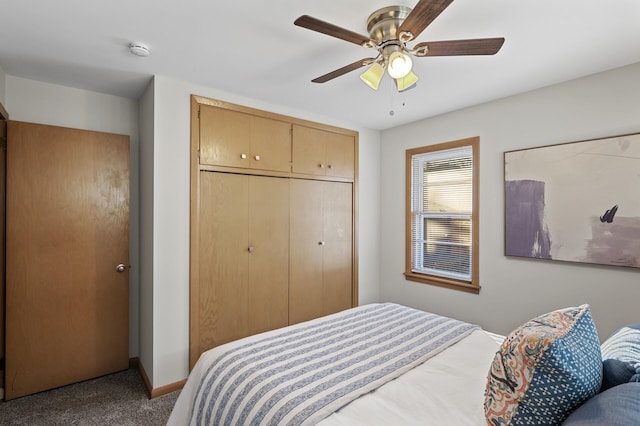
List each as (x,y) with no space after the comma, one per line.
(67,256)
(321,238)
(243,258)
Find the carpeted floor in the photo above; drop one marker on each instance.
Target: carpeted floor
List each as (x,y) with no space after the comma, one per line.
(118,399)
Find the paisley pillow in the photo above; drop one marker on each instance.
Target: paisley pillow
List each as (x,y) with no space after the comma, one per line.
(544,369)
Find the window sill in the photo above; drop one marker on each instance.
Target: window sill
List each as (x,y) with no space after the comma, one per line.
(443,282)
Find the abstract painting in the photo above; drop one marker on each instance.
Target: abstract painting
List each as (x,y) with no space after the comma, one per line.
(576,202)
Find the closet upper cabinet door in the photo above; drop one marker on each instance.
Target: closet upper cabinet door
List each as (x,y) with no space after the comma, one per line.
(224,137)
(340,155)
(270,144)
(236,139)
(309,152)
(322,152)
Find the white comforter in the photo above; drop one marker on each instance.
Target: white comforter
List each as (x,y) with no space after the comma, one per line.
(447,389)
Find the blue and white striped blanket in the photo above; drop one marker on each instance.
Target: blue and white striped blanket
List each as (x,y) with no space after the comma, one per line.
(301,374)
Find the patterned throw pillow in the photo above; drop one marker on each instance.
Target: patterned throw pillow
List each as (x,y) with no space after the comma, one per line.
(544,370)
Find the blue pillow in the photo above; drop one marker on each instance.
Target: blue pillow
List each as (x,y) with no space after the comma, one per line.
(621,357)
(616,372)
(618,406)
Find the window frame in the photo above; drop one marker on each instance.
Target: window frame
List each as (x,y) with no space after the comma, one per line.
(472,286)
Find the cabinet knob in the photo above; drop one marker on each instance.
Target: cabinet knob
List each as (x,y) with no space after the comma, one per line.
(257,157)
(321,166)
(320,243)
(251,249)
(329,166)
(243,156)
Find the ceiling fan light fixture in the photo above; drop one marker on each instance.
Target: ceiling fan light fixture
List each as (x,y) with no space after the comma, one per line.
(399,65)
(407,82)
(373,75)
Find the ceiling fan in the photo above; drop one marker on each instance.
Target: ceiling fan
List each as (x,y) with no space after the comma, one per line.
(390,29)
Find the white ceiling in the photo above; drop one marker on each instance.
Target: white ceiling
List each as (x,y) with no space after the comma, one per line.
(253,49)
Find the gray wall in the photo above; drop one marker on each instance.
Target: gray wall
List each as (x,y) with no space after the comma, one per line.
(515,290)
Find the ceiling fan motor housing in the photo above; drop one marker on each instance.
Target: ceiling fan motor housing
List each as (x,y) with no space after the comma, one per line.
(383,24)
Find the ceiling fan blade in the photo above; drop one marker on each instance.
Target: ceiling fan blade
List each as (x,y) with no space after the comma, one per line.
(341,71)
(314,24)
(422,15)
(478,46)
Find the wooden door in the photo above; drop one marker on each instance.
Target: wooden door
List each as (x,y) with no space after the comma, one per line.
(224,137)
(4,116)
(268,303)
(309,155)
(340,155)
(321,249)
(270,144)
(305,266)
(244,257)
(67,231)
(338,248)
(224,259)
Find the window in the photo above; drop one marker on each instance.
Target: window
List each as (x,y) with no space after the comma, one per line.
(442,215)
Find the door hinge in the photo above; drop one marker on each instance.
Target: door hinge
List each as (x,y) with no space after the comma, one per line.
(198,114)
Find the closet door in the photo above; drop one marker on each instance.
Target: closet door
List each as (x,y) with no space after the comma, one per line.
(243,250)
(337,251)
(321,266)
(268,249)
(306,265)
(67,313)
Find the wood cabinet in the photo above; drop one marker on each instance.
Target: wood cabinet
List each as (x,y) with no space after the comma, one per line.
(322,152)
(236,139)
(243,261)
(321,249)
(272,240)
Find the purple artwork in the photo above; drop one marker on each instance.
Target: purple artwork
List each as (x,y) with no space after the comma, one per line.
(526,232)
(577,202)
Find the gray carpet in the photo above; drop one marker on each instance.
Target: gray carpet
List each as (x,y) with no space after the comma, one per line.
(116,399)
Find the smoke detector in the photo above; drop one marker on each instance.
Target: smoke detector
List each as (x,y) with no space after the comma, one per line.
(139,49)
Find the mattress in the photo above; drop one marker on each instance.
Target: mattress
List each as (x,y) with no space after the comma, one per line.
(448,388)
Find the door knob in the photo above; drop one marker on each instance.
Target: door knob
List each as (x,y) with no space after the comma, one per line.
(121,267)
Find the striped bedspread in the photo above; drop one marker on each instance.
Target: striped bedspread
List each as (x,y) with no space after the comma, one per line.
(301,374)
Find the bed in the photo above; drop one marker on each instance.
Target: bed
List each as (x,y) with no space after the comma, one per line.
(387,364)
(438,377)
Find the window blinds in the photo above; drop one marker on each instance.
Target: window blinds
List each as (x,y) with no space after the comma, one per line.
(442,204)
